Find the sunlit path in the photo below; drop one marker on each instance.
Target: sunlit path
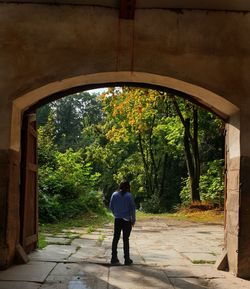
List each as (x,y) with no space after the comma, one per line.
(167,254)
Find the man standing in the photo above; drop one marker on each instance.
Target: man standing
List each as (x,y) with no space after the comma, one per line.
(123,207)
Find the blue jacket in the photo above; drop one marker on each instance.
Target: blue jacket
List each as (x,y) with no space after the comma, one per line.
(123,206)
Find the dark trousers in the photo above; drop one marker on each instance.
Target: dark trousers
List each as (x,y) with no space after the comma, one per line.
(125,227)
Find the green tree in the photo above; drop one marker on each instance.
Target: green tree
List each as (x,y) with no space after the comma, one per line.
(46,142)
(71,114)
(139,117)
(149,137)
(43,114)
(67,183)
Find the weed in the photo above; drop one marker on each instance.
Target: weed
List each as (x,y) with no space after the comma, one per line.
(84,221)
(209,216)
(203,262)
(88,220)
(90,229)
(101,238)
(41,241)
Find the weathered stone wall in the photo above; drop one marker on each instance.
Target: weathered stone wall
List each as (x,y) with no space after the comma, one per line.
(9,202)
(232,188)
(244,196)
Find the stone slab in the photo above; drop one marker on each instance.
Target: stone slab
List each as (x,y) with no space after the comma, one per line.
(163,257)
(138,277)
(32,272)
(86,242)
(198,271)
(106,230)
(162,253)
(66,235)
(82,269)
(78,231)
(230,282)
(53,253)
(87,254)
(77,276)
(189,283)
(58,240)
(18,285)
(157,262)
(200,257)
(166,265)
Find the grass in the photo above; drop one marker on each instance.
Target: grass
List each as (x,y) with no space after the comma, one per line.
(101,238)
(90,229)
(90,221)
(41,241)
(214,216)
(203,262)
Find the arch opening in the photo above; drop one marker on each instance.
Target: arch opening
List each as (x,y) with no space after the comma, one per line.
(55,96)
(210,100)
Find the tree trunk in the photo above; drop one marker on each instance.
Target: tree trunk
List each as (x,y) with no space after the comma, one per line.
(148,180)
(189,159)
(163,178)
(191,148)
(154,168)
(196,156)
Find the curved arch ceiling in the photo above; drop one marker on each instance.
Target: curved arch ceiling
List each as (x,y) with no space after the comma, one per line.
(203,96)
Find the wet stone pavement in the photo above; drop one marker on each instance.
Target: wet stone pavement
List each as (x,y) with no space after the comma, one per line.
(166,253)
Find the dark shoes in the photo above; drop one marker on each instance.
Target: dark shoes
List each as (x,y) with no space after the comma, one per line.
(128,262)
(114,261)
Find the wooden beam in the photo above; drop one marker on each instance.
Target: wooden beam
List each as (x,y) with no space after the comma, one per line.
(127,9)
(222,262)
(21,256)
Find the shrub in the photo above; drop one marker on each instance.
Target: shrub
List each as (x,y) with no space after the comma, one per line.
(211,185)
(49,208)
(67,189)
(151,205)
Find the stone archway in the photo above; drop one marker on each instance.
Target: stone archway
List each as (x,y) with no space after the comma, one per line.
(46,49)
(216,103)
(204,97)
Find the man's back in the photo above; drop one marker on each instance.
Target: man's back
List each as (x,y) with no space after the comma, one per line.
(122,205)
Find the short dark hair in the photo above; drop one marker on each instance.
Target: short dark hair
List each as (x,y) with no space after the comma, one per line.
(124,186)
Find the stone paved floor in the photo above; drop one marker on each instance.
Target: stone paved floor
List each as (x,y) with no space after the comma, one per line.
(167,254)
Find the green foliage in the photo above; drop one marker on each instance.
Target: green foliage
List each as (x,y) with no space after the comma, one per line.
(43,114)
(41,241)
(49,207)
(67,188)
(88,144)
(151,204)
(131,169)
(46,142)
(211,185)
(89,220)
(69,116)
